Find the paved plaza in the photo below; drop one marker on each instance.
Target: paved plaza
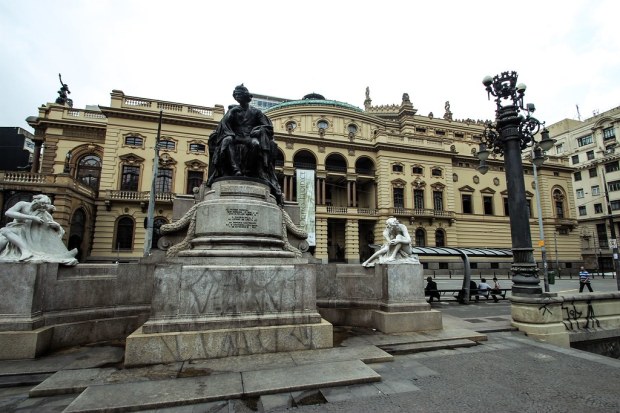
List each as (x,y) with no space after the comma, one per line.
(477,363)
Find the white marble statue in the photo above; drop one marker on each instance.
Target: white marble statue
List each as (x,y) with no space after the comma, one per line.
(397,248)
(33,235)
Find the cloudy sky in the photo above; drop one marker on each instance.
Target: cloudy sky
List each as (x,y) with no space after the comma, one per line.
(567,53)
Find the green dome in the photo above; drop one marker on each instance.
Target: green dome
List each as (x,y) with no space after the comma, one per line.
(314,99)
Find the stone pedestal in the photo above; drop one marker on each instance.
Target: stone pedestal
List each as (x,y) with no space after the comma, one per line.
(237,291)
(388,297)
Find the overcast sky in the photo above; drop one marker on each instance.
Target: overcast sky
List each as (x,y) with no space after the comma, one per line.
(567,53)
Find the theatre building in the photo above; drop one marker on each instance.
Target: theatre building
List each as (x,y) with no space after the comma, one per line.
(350,169)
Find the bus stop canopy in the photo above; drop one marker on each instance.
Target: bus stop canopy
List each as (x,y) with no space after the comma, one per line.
(464,253)
(459,252)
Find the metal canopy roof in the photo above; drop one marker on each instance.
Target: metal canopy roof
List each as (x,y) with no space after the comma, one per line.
(470,252)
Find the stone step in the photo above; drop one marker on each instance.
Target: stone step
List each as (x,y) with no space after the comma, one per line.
(17,380)
(194,390)
(408,348)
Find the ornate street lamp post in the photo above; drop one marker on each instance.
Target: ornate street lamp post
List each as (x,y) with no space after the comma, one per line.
(512,133)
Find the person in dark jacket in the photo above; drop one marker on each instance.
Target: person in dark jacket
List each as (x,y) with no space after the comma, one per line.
(431,289)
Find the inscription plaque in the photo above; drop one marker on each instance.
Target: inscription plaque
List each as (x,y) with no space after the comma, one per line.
(241,218)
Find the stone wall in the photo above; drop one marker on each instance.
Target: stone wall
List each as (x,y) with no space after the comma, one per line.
(567,319)
(47,306)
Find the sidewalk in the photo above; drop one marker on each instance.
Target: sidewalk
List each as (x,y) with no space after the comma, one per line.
(476,363)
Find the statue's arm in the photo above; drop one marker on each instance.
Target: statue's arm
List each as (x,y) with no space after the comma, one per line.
(16,212)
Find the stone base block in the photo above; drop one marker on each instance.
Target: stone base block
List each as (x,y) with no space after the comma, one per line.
(157,348)
(25,344)
(406,321)
(553,333)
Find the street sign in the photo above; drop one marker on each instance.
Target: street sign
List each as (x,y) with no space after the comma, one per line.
(613,243)
(541,243)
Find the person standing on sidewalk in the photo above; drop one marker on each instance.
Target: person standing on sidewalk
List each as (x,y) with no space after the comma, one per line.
(584,279)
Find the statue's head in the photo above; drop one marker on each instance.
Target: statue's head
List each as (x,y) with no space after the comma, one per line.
(42,202)
(392,222)
(242,92)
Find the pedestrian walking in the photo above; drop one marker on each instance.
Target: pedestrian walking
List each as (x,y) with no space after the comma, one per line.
(584,279)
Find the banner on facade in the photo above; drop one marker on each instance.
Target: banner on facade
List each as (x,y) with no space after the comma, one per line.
(305,199)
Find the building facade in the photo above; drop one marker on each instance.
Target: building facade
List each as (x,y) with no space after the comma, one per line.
(590,146)
(366,165)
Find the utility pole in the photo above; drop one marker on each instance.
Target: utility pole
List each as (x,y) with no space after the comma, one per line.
(614,241)
(537,155)
(148,239)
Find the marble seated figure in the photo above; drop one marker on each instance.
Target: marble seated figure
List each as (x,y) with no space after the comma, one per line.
(33,235)
(397,247)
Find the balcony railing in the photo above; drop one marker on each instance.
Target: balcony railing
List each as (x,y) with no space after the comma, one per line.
(44,180)
(139,196)
(343,210)
(422,212)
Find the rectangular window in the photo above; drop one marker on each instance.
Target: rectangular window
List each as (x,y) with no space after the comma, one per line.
(438,200)
(614,205)
(575,159)
(593,172)
(197,147)
(614,186)
(582,210)
(133,141)
(467,206)
(130,178)
(598,208)
(443,265)
(584,140)
(399,197)
(487,202)
(506,207)
(529,207)
(559,149)
(610,149)
(495,265)
(577,176)
(612,167)
(601,234)
(596,190)
(590,155)
(608,133)
(559,209)
(194,180)
(579,193)
(418,198)
(164,180)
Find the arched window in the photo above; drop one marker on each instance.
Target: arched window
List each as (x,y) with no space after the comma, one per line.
(440,238)
(89,171)
(336,163)
(558,200)
(279,159)
(124,234)
(157,223)
(304,160)
(420,237)
(364,166)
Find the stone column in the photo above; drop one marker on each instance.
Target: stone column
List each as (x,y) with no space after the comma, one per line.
(36,156)
(321,240)
(352,241)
